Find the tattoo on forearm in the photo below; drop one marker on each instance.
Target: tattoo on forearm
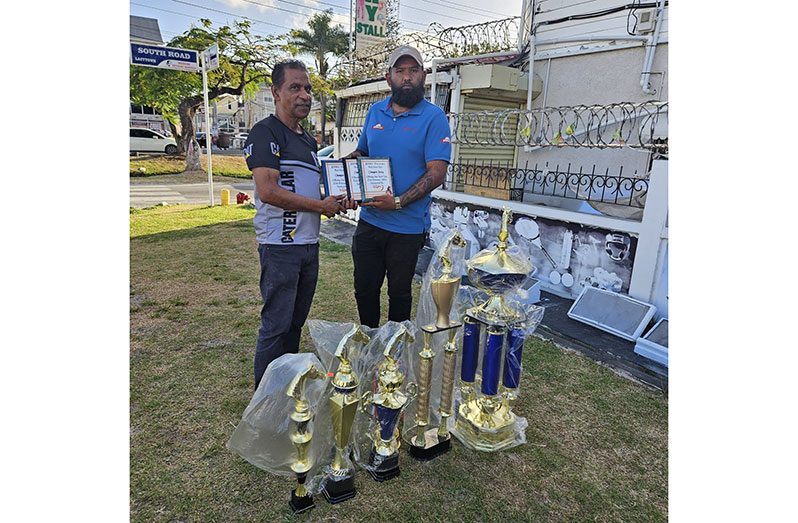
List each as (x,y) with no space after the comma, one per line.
(419,189)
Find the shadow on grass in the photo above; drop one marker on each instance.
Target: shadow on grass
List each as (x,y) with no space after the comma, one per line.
(192,232)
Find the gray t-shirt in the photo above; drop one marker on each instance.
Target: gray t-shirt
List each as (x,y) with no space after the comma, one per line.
(272,144)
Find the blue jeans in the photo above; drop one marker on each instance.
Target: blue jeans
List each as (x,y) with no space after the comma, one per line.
(288,275)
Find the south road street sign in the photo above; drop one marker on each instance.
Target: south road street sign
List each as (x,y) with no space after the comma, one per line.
(164,57)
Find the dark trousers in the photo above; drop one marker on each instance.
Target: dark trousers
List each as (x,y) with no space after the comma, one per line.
(375,253)
(288,275)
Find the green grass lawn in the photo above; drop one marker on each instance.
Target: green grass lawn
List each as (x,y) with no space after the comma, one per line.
(597,444)
(153,165)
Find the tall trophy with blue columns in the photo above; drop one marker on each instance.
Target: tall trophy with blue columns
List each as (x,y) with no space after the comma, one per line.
(388,402)
(301,435)
(338,483)
(428,441)
(485,420)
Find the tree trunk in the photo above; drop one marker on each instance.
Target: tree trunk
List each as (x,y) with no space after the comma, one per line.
(176,134)
(323,118)
(188,140)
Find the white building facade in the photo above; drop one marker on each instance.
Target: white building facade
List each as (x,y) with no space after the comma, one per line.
(581,160)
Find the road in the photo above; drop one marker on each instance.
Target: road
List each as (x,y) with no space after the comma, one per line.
(149,194)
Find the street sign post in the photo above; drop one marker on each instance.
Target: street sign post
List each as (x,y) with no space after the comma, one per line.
(164,57)
(183,60)
(208,138)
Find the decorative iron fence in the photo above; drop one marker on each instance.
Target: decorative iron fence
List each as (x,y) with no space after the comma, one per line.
(512,183)
(635,125)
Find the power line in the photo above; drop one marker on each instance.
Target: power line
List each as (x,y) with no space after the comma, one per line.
(503,15)
(287,11)
(298,5)
(458,9)
(160,29)
(324,10)
(237,15)
(195,17)
(419,9)
(439,14)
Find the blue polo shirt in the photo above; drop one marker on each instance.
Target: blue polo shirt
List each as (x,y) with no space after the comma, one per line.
(410,140)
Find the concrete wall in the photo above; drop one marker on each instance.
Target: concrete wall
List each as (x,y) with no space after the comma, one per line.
(594,78)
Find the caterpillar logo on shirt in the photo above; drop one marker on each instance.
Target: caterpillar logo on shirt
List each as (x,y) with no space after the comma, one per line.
(378,126)
(275,148)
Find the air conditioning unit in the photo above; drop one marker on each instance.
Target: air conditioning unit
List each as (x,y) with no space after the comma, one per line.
(646,21)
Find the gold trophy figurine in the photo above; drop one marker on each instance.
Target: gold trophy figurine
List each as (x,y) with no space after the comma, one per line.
(431,442)
(389,403)
(339,481)
(301,498)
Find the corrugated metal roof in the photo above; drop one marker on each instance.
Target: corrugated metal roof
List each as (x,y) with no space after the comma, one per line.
(145,30)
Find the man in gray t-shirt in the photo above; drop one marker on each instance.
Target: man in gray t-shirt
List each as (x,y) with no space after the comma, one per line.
(282,158)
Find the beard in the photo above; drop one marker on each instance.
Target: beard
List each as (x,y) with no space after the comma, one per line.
(407,97)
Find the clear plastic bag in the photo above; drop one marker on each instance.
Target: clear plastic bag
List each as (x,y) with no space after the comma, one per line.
(446,264)
(511,367)
(366,426)
(262,437)
(327,336)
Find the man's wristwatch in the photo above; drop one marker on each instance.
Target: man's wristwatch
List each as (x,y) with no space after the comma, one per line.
(398,202)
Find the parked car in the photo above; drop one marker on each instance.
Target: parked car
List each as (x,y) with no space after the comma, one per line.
(201,139)
(239,139)
(147,140)
(325,152)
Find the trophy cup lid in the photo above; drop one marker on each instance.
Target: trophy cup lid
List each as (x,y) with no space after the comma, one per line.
(501,267)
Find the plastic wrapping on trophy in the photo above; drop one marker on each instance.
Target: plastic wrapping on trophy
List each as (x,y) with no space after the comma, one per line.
(434,353)
(498,271)
(441,281)
(337,481)
(277,430)
(301,436)
(262,437)
(496,323)
(386,393)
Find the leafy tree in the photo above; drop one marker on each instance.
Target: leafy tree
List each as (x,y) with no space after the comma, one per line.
(245,60)
(320,41)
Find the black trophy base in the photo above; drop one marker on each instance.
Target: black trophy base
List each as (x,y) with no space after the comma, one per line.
(338,491)
(387,469)
(428,453)
(300,503)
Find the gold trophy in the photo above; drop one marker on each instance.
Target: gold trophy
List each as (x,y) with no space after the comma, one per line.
(389,403)
(485,420)
(444,288)
(339,481)
(431,442)
(301,498)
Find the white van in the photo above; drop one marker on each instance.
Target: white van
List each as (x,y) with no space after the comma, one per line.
(147,140)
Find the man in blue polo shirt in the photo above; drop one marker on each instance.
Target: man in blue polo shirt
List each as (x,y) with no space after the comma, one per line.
(392,228)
